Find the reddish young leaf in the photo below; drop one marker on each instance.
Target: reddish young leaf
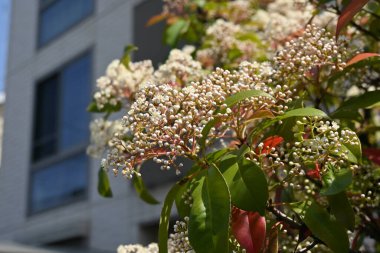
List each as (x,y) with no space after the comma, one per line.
(249,229)
(348,13)
(372,154)
(360,57)
(156,19)
(315,173)
(269,143)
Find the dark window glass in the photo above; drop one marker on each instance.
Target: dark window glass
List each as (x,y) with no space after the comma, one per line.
(59,15)
(149,39)
(46,127)
(59,170)
(76,91)
(60,183)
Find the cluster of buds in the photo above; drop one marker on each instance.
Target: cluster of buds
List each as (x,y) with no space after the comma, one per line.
(102,132)
(227,43)
(166,121)
(303,60)
(120,82)
(180,68)
(179,240)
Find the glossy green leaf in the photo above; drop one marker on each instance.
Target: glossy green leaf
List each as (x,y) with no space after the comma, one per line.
(351,106)
(174,31)
(318,220)
(240,96)
(126,59)
(142,192)
(336,182)
(210,214)
(342,210)
(304,112)
(163,229)
(230,101)
(104,187)
(247,184)
(299,112)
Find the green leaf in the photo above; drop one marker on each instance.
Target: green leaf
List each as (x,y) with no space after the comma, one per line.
(104,187)
(342,210)
(350,156)
(233,54)
(182,207)
(334,183)
(126,59)
(331,232)
(303,112)
(173,32)
(163,229)
(351,106)
(247,183)
(92,107)
(299,112)
(210,214)
(230,101)
(142,192)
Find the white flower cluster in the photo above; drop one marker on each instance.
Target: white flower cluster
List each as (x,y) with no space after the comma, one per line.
(224,39)
(120,82)
(180,68)
(284,18)
(102,132)
(137,248)
(179,241)
(167,121)
(321,143)
(304,59)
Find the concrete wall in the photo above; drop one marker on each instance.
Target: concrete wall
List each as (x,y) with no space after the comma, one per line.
(105,222)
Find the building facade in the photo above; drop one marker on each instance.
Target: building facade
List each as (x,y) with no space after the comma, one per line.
(48,186)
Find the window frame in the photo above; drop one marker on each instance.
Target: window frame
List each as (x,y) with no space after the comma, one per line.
(61,156)
(41,8)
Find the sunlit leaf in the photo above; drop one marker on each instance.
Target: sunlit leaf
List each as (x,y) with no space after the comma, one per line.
(209,214)
(348,13)
(174,31)
(126,59)
(360,57)
(163,229)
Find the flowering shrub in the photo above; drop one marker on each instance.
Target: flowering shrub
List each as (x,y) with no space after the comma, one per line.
(285,158)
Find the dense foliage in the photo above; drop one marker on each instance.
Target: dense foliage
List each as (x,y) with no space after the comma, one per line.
(279,117)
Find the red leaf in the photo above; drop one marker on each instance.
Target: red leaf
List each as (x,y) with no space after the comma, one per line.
(315,173)
(360,57)
(269,143)
(373,154)
(249,229)
(156,18)
(348,13)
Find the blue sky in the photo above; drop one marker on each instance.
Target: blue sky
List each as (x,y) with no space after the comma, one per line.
(4,30)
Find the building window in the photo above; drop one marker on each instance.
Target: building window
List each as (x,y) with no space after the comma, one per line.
(57,16)
(149,39)
(59,169)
